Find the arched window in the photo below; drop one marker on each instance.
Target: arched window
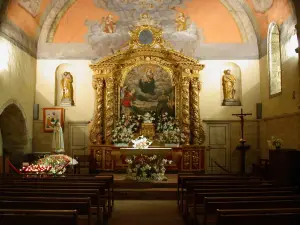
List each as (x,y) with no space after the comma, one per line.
(274,60)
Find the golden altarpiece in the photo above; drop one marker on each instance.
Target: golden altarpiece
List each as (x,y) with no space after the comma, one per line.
(147,47)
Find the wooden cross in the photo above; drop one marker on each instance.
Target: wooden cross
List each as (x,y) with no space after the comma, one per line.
(242,115)
(243,147)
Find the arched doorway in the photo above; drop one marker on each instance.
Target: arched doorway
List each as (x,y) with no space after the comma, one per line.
(14,133)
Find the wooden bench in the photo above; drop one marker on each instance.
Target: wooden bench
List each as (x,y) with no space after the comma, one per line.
(202,178)
(108,180)
(210,207)
(83,207)
(38,217)
(279,216)
(189,199)
(93,194)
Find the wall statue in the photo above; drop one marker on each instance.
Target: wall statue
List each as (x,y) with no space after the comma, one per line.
(229,89)
(181,22)
(67,89)
(109,25)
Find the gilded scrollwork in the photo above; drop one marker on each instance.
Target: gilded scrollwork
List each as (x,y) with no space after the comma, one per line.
(109,108)
(198,135)
(111,71)
(95,134)
(185,95)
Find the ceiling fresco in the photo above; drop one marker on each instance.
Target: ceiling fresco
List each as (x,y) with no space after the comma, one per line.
(109,34)
(100,27)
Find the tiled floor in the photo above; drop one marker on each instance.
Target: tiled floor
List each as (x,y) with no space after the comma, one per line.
(143,212)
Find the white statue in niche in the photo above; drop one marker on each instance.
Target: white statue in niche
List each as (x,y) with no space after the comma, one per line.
(229,89)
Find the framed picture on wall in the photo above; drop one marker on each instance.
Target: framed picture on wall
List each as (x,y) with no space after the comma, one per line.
(51,116)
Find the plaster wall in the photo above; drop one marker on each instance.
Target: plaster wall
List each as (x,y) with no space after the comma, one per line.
(17,82)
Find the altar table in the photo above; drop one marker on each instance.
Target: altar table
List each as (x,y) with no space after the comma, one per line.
(147,151)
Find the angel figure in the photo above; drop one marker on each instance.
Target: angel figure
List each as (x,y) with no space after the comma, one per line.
(109,24)
(181,22)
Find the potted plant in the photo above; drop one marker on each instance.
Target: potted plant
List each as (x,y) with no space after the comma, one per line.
(276,142)
(170,132)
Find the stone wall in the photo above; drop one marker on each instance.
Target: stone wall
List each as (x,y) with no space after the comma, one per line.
(17,83)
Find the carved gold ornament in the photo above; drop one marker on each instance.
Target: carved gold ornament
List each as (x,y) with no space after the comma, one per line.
(110,73)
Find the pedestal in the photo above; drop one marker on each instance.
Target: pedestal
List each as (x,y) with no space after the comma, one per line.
(148,130)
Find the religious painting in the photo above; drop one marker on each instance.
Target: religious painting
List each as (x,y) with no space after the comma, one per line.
(51,116)
(147,89)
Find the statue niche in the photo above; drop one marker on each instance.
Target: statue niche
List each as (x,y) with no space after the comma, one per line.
(67,89)
(231,86)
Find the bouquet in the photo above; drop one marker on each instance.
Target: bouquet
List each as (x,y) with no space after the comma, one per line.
(170,130)
(276,142)
(141,142)
(147,167)
(123,132)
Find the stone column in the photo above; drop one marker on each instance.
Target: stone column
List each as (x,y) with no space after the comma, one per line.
(109,109)
(97,127)
(185,102)
(198,136)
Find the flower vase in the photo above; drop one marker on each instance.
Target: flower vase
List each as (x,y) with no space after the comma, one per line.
(277,147)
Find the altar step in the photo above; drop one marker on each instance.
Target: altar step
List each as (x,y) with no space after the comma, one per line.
(146,194)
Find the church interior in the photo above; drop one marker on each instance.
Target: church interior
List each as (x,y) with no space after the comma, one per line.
(152,111)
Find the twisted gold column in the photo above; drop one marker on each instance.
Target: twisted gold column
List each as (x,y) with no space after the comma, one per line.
(198,135)
(109,108)
(185,96)
(95,133)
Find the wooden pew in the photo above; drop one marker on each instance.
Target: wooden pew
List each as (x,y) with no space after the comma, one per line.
(279,216)
(210,207)
(70,193)
(198,200)
(83,207)
(189,199)
(203,178)
(65,184)
(38,217)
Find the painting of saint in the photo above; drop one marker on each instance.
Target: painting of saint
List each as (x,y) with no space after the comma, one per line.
(147,88)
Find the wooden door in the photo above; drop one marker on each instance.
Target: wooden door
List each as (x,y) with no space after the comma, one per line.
(218,151)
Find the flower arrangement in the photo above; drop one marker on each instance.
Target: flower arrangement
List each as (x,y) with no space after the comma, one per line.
(276,142)
(147,167)
(141,142)
(148,117)
(52,164)
(123,132)
(170,130)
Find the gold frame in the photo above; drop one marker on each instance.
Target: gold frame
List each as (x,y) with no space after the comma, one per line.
(110,73)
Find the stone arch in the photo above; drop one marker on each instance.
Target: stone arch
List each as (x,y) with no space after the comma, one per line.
(237,10)
(274,59)
(53,19)
(14,131)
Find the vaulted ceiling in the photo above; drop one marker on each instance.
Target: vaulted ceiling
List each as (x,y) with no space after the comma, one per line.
(215,17)
(210,22)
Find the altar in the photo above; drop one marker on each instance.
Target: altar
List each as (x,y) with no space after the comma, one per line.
(147,151)
(147,78)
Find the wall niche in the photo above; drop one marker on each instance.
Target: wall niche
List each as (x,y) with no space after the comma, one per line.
(64,85)
(231,85)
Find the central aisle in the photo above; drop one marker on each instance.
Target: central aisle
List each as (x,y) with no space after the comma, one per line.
(143,212)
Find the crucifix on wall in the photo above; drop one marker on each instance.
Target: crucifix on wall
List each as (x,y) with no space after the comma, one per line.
(242,147)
